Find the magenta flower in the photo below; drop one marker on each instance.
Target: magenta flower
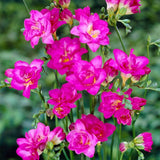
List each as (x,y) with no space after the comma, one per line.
(25,76)
(94,126)
(132,6)
(63,99)
(85,12)
(67,94)
(36,27)
(81,141)
(137,103)
(111,70)
(111,103)
(87,75)
(64,53)
(66,15)
(61,110)
(144,141)
(34,142)
(123,116)
(131,65)
(53,18)
(91,30)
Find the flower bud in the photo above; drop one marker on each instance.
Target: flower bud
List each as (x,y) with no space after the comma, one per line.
(64,3)
(144,141)
(123,146)
(66,15)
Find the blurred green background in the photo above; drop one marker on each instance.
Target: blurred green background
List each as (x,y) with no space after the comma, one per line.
(16,111)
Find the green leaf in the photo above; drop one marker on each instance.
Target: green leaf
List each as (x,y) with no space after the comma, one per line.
(122,11)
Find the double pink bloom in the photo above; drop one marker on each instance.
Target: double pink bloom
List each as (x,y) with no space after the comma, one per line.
(87,75)
(63,99)
(64,54)
(91,29)
(86,133)
(25,76)
(42,25)
(36,140)
(131,6)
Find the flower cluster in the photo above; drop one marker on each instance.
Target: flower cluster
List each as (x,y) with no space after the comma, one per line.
(36,140)
(113,104)
(63,99)
(69,56)
(86,133)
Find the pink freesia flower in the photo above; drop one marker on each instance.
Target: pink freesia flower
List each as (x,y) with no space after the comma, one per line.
(91,30)
(111,70)
(67,94)
(123,116)
(131,65)
(64,53)
(94,126)
(144,141)
(53,18)
(64,3)
(35,141)
(36,27)
(123,146)
(81,141)
(63,99)
(87,75)
(25,76)
(131,6)
(66,15)
(85,12)
(61,110)
(111,102)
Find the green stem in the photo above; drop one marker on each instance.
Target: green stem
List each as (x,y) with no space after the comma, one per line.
(82,104)
(121,158)
(93,104)
(56,121)
(66,118)
(57,81)
(102,53)
(112,143)
(120,130)
(65,154)
(78,108)
(71,115)
(120,38)
(25,4)
(99,152)
(71,155)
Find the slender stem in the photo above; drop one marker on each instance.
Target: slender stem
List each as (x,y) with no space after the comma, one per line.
(71,155)
(102,53)
(121,158)
(57,81)
(82,104)
(120,130)
(99,152)
(66,118)
(104,146)
(71,115)
(65,154)
(133,129)
(78,112)
(93,104)
(112,143)
(56,121)
(25,4)
(120,38)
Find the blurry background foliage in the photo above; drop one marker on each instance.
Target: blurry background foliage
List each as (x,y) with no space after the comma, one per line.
(16,111)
